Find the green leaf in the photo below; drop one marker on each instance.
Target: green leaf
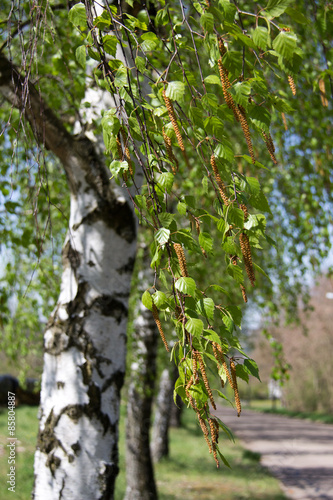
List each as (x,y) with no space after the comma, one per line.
(259,201)
(186,285)
(206,307)
(182,207)
(261,117)
(206,241)
(241,92)
(275,8)
(162,236)
(110,43)
(77,15)
(261,271)
(241,372)
(285,44)
(149,41)
(121,77)
(228,323)
(165,181)
(236,314)
(159,299)
(117,168)
(165,218)
(254,184)
(207,22)
(261,37)
(194,326)
(162,17)
(213,79)
(81,56)
(236,273)
(140,63)
(175,91)
(236,216)
(213,336)
(147,300)
(251,367)
(297,16)
(214,126)
(209,101)
(229,10)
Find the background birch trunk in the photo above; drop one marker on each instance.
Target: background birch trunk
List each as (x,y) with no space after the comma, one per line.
(164,408)
(139,467)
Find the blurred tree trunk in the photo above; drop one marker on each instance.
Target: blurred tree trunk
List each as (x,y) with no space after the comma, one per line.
(165,408)
(139,467)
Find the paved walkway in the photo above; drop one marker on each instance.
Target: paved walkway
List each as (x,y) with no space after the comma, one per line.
(298,452)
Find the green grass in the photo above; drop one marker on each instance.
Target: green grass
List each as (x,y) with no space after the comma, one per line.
(26,433)
(189,472)
(266,407)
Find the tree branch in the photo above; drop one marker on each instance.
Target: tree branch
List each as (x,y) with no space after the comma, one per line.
(50,132)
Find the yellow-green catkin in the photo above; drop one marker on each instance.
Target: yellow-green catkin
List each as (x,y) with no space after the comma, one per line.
(246,132)
(270,146)
(242,287)
(205,380)
(246,251)
(322,91)
(235,386)
(169,151)
(292,84)
(181,259)
(173,119)
(219,181)
(159,326)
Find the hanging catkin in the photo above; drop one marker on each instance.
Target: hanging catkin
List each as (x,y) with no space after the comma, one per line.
(181,259)
(169,151)
(322,90)
(235,386)
(173,119)
(219,181)
(270,146)
(205,432)
(292,84)
(205,380)
(246,251)
(246,131)
(159,326)
(194,367)
(242,287)
(245,210)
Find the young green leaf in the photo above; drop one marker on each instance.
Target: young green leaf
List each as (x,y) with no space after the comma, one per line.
(162,236)
(186,285)
(147,300)
(194,326)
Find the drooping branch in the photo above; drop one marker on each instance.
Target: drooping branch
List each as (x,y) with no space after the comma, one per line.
(50,132)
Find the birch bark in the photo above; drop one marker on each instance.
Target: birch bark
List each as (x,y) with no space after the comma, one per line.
(85,339)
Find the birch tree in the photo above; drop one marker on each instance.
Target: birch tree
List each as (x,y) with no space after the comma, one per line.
(220,74)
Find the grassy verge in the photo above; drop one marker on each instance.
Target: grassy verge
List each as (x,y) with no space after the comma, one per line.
(189,472)
(266,407)
(26,433)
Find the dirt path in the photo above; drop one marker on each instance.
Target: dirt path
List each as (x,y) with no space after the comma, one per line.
(299,453)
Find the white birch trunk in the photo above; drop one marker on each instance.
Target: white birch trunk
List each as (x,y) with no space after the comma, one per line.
(84,363)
